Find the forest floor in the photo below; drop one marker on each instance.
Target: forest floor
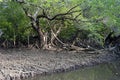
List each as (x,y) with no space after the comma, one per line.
(18,64)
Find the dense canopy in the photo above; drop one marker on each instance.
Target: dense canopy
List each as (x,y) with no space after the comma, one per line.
(56,23)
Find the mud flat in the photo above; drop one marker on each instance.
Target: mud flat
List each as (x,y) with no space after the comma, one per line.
(17,64)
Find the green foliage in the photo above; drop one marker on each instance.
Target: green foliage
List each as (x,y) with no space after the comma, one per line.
(13,21)
(97,18)
(68,32)
(102,16)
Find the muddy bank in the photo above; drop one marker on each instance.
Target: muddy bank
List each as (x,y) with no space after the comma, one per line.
(21,64)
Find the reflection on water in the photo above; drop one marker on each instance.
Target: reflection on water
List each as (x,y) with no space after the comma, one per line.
(109,71)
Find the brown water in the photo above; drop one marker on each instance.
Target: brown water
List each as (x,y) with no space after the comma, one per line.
(110,71)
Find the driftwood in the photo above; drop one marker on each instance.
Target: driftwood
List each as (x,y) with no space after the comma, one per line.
(76,48)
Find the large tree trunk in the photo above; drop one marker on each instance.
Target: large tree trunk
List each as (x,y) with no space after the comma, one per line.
(41,38)
(40,34)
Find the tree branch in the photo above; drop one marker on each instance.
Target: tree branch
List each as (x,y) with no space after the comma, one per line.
(56,17)
(44,15)
(73,8)
(57,37)
(29,15)
(36,12)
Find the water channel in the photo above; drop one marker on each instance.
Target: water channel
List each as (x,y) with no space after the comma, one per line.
(109,71)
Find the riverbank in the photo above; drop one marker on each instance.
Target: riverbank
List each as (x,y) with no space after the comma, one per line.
(18,64)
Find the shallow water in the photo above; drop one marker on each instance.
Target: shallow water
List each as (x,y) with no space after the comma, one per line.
(109,71)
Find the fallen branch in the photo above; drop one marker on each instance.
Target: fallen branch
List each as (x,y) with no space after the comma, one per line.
(57,38)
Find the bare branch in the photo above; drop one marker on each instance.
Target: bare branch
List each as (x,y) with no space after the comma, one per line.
(44,14)
(58,16)
(77,15)
(36,13)
(72,8)
(29,15)
(63,14)
(57,37)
